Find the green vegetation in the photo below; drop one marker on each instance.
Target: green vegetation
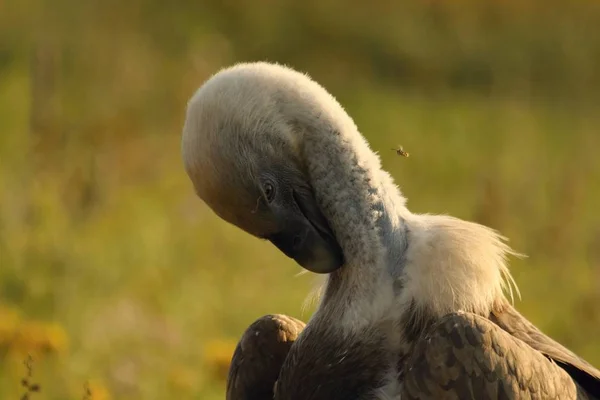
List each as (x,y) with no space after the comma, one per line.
(123,285)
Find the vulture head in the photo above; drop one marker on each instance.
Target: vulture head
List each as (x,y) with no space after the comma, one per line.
(271,151)
(245,144)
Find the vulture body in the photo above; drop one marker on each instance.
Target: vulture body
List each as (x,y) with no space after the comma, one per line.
(413,306)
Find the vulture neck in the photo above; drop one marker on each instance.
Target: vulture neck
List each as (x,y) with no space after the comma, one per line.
(365,210)
(451,265)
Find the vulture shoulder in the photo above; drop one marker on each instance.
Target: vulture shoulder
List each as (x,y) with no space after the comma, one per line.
(259,356)
(466,356)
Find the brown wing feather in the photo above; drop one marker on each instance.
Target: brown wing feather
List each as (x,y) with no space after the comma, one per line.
(259,355)
(517,325)
(465,356)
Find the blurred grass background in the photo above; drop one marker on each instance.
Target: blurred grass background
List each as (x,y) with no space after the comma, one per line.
(122,284)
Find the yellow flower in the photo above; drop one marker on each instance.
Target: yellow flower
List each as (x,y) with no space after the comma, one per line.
(56,339)
(95,390)
(33,336)
(9,320)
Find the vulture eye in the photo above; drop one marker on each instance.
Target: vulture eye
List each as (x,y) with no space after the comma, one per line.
(269,190)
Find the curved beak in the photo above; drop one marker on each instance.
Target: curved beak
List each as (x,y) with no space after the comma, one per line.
(306,237)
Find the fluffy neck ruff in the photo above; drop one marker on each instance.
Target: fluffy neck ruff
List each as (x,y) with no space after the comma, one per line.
(454,265)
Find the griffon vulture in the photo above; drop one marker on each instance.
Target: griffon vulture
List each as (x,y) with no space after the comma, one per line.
(414,306)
